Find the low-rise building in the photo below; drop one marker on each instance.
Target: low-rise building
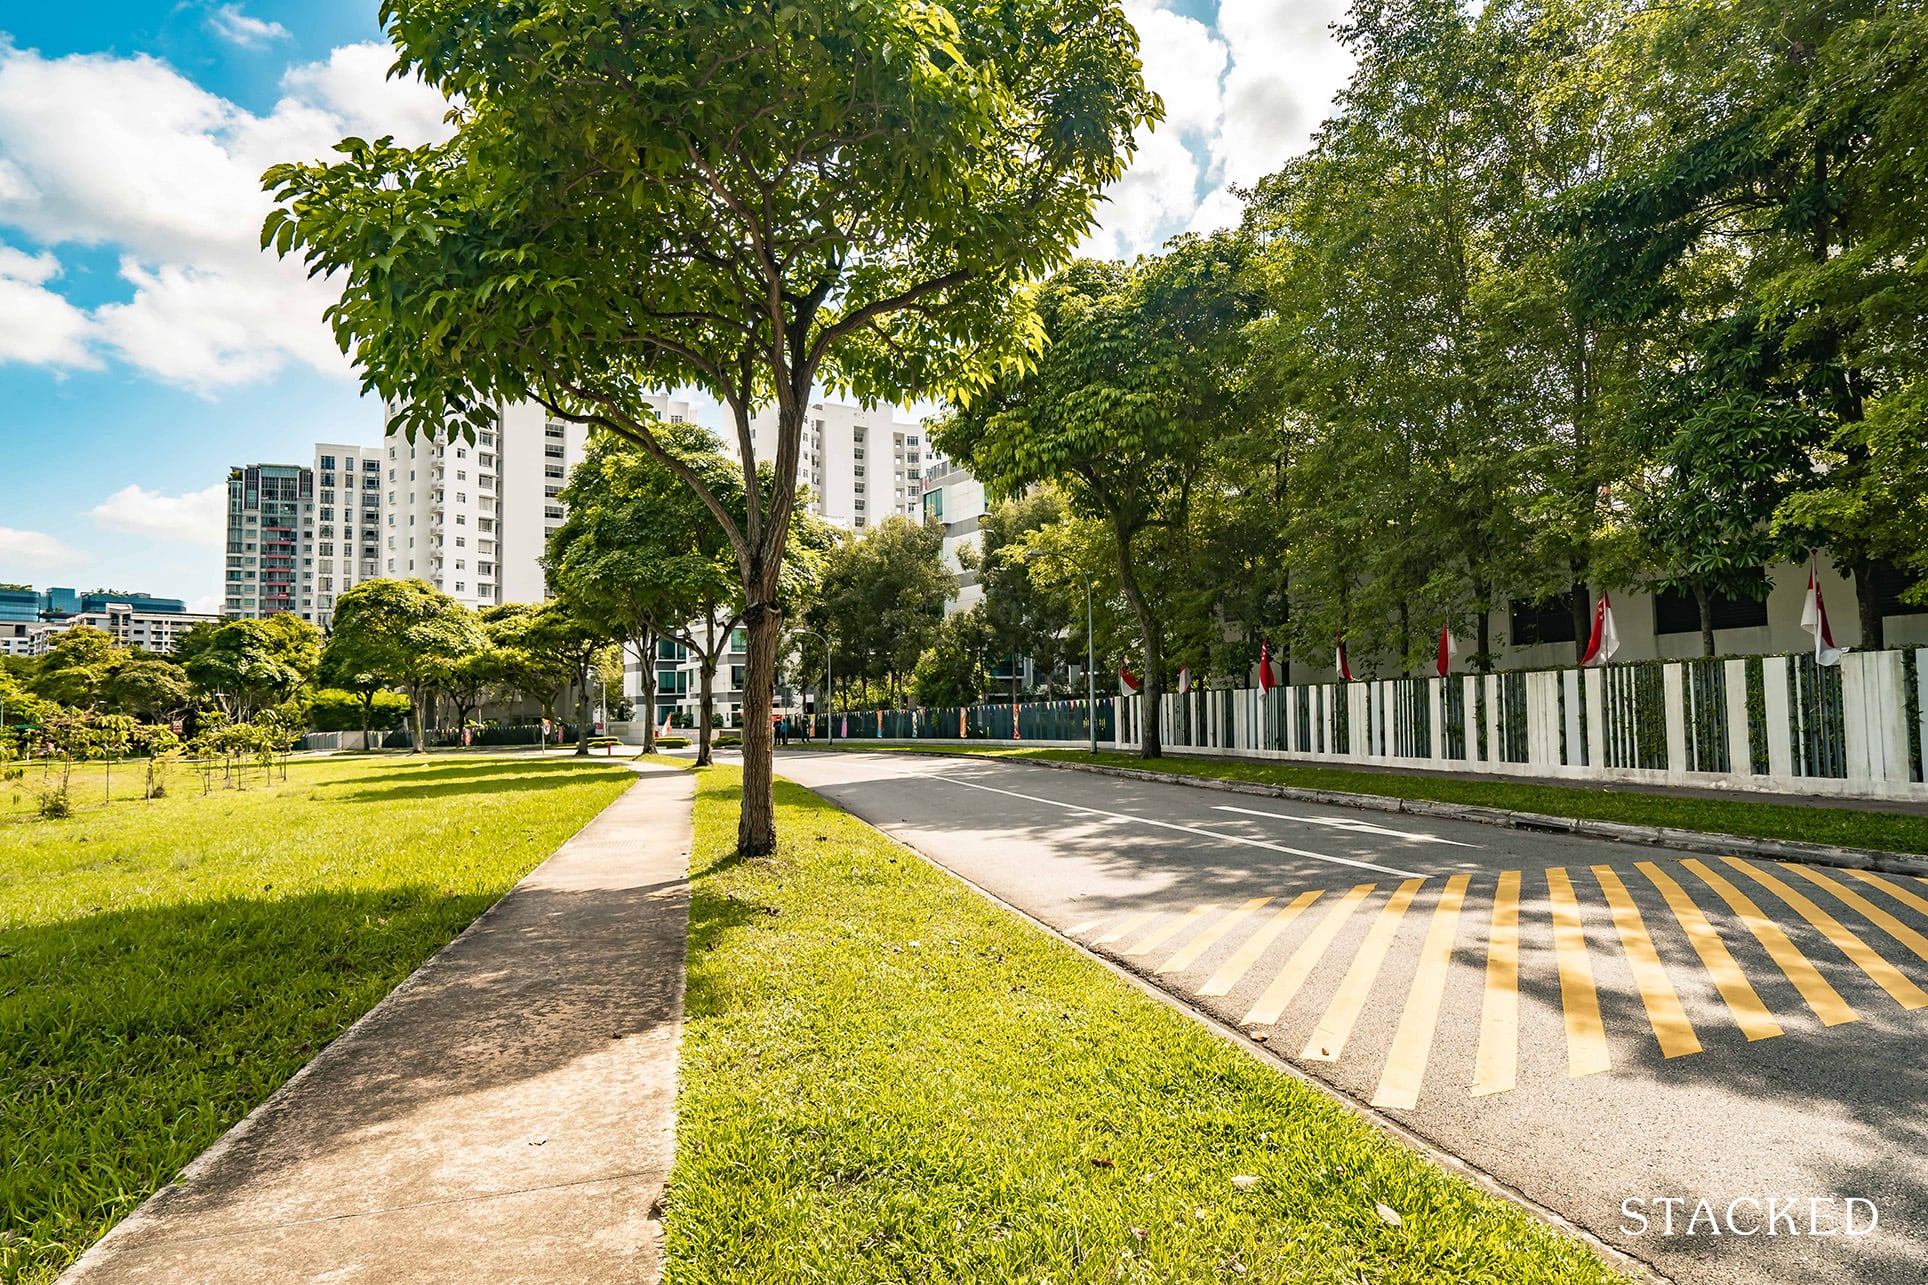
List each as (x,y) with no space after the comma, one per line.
(30,622)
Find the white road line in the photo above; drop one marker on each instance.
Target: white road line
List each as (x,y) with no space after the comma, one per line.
(1346,823)
(1213,835)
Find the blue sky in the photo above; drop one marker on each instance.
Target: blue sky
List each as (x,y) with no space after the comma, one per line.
(146,345)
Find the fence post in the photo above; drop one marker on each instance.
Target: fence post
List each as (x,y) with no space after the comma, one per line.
(1921,697)
(1575,745)
(1780,727)
(1874,716)
(1542,719)
(1673,685)
(1740,750)
(1436,701)
(1594,684)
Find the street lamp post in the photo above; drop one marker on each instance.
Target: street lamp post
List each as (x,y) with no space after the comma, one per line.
(1091,671)
(829,683)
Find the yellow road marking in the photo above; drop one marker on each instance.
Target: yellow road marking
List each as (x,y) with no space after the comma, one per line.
(1329,1036)
(1894,890)
(1188,956)
(1293,976)
(1159,936)
(1245,956)
(1129,926)
(1497,1065)
(1412,1043)
(1749,1013)
(1874,914)
(1586,1037)
(1884,974)
(1821,997)
(1669,1020)
(1083,928)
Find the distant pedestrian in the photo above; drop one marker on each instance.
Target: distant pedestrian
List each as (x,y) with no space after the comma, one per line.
(783,731)
(804,727)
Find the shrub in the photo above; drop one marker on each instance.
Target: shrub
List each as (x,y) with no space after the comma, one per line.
(672,742)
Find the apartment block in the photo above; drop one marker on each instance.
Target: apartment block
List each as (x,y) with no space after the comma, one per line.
(862,466)
(271,525)
(474,518)
(31,622)
(348,527)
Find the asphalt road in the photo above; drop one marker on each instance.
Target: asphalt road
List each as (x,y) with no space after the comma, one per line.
(1604,1028)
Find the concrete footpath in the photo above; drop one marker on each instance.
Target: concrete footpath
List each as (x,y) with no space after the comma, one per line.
(507,1114)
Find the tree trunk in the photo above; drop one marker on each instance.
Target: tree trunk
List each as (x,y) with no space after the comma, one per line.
(582,713)
(367,714)
(1705,601)
(756,833)
(418,715)
(706,671)
(1483,658)
(1582,617)
(1867,599)
(1151,743)
(647,679)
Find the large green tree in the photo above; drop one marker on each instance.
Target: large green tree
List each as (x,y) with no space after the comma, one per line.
(1786,136)
(755,197)
(881,600)
(408,634)
(245,666)
(1120,410)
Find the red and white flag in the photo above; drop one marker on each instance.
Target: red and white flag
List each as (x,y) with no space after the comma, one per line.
(1448,649)
(1184,679)
(664,729)
(1606,639)
(1339,660)
(1129,681)
(1265,668)
(1814,619)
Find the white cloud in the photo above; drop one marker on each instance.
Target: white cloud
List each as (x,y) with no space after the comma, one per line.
(1286,67)
(1241,98)
(1184,63)
(229,23)
(99,150)
(198,517)
(207,604)
(35,550)
(353,85)
(37,325)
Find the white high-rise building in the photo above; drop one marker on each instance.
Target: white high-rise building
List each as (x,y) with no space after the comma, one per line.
(862,466)
(474,518)
(348,526)
(300,536)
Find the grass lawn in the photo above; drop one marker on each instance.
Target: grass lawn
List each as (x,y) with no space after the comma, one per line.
(887,1078)
(1809,821)
(164,966)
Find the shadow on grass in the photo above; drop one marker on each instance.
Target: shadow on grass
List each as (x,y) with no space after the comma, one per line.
(446,782)
(430,769)
(135,1038)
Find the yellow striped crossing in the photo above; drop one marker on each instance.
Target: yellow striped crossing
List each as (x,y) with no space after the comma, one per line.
(1332,969)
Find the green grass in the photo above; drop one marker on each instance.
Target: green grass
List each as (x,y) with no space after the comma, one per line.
(887,1078)
(164,966)
(1809,821)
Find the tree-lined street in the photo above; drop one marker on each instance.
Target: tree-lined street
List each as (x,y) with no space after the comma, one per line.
(1586,1022)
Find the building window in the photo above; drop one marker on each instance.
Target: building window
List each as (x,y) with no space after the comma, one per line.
(551,492)
(552,470)
(461,540)
(461,519)
(1542,622)
(328,463)
(552,511)
(1678,612)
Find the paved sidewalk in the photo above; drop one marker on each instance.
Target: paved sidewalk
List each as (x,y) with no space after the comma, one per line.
(507,1114)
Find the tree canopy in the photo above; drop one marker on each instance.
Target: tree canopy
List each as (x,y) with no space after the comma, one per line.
(752,198)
